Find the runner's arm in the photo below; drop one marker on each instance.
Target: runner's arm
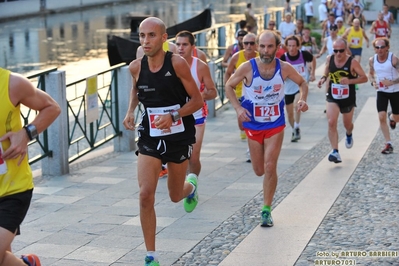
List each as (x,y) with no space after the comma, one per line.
(226,56)
(372,72)
(230,68)
(210,91)
(361,76)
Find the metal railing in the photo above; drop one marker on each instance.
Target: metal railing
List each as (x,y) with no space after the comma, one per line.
(38,148)
(86,134)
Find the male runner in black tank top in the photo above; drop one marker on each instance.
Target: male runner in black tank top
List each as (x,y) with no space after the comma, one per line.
(343,73)
(164,85)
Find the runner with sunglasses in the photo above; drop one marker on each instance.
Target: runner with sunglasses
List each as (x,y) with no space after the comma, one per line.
(239,58)
(342,73)
(384,77)
(261,111)
(271,25)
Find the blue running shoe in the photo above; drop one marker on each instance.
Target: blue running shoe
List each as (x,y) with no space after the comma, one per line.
(266,219)
(334,157)
(149,261)
(349,141)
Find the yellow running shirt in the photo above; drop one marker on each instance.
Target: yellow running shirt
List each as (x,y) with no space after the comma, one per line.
(355,38)
(14,178)
(241,59)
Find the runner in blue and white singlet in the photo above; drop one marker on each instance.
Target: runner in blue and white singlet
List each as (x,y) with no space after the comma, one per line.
(264,99)
(261,111)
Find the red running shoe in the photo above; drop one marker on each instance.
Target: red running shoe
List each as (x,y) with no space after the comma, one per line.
(31,260)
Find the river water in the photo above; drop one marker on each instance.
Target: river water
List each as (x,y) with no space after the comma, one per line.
(64,40)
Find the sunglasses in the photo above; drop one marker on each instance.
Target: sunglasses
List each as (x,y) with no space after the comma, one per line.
(272,24)
(380,47)
(251,43)
(339,50)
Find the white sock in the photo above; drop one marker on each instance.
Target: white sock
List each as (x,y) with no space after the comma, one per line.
(296,125)
(192,191)
(153,254)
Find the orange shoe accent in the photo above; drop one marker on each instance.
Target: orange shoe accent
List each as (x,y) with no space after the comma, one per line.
(163,173)
(31,260)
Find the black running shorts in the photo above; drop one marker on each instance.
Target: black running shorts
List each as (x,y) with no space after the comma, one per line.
(13,209)
(289,98)
(166,151)
(382,101)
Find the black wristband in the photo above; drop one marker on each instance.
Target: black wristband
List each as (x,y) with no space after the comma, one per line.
(31,131)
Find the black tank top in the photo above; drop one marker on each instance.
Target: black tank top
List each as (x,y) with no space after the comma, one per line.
(163,89)
(336,74)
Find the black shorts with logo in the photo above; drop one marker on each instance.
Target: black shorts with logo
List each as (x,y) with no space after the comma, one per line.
(13,209)
(166,151)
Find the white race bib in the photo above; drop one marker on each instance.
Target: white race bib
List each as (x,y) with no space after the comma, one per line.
(339,91)
(300,68)
(355,41)
(154,112)
(266,113)
(3,164)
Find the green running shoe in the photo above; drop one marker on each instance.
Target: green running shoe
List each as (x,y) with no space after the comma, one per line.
(149,261)
(192,200)
(266,219)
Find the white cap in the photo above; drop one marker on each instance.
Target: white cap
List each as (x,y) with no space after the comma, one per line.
(339,19)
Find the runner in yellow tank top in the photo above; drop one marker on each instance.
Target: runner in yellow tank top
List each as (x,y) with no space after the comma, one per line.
(240,57)
(14,178)
(354,35)
(16,183)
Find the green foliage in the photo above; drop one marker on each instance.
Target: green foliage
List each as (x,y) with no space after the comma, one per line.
(317,37)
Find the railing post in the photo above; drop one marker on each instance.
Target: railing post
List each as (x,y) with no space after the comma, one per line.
(266,18)
(222,39)
(211,103)
(126,142)
(201,39)
(278,18)
(58,163)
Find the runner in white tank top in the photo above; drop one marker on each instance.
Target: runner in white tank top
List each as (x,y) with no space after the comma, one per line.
(384,76)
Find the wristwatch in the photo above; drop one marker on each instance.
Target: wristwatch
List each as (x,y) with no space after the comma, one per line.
(31,131)
(175,115)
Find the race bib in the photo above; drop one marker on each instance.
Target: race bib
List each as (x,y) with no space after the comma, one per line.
(381,32)
(300,69)
(3,164)
(266,113)
(154,112)
(355,41)
(339,91)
